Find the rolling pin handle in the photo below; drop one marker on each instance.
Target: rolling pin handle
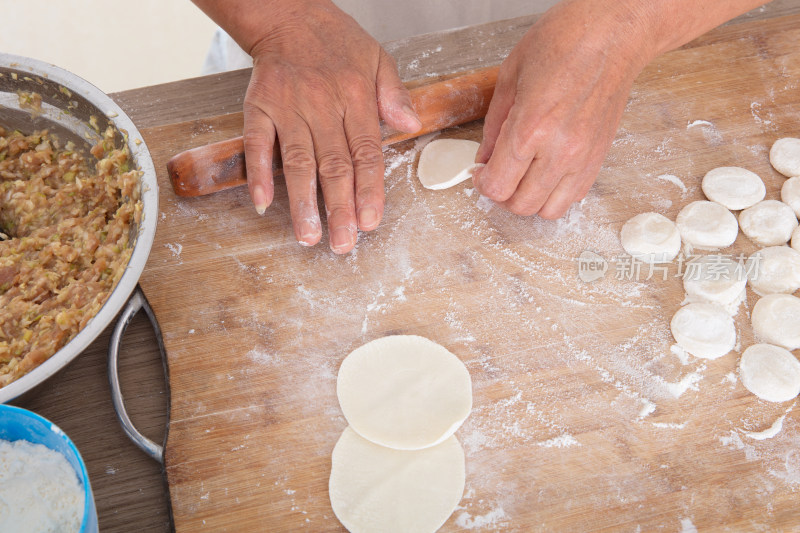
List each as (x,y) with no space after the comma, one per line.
(136,302)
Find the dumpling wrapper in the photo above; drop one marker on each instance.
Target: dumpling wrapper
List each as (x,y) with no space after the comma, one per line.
(378,489)
(447,162)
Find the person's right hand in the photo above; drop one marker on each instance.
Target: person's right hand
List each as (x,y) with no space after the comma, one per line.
(319,84)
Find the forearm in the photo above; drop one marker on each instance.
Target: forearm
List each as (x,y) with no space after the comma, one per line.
(249,21)
(669,24)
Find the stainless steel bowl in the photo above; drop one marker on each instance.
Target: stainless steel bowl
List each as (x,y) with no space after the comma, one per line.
(69,104)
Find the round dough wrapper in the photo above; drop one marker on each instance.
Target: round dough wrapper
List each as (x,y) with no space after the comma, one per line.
(785,156)
(774,270)
(446,162)
(707,225)
(373,488)
(768,223)
(404,391)
(733,187)
(796,239)
(714,279)
(651,238)
(776,320)
(704,330)
(770,372)
(790,194)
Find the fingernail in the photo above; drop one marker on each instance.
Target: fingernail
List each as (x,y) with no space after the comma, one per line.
(260,199)
(308,233)
(341,238)
(410,113)
(367,217)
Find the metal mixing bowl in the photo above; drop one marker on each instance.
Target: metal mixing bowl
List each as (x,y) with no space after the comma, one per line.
(71,108)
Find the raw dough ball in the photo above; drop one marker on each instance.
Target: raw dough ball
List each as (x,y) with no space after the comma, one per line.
(404,391)
(796,239)
(651,237)
(774,270)
(770,372)
(768,223)
(733,187)
(707,225)
(704,330)
(776,320)
(373,488)
(785,156)
(715,279)
(790,194)
(446,162)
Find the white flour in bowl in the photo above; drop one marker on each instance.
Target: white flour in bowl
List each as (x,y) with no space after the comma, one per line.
(39,491)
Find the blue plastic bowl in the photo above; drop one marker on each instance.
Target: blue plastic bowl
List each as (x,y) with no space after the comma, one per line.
(17,423)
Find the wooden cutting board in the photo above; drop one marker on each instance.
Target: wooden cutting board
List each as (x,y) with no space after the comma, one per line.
(583,419)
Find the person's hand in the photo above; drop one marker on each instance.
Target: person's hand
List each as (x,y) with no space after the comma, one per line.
(319,84)
(556,107)
(561,92)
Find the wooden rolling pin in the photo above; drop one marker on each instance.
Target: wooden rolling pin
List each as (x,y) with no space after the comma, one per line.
(440,102)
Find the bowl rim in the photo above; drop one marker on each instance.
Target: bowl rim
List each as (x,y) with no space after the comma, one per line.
(88,499)
(147,228)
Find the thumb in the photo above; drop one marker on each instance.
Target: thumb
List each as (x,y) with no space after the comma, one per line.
(394,102)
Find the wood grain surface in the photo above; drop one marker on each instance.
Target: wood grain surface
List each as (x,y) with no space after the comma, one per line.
(584,419)
(128,487)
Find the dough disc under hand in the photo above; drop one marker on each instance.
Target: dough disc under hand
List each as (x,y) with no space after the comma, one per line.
(707,225)
(768,223)
(404,391)
(774,269)
(704,330)
(377,489)
(785,156)
(651,237)
(446,162)
(770,372)
(734,187)
(776,320)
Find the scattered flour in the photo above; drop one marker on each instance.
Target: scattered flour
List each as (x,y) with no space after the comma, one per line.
(768,433)
(687,526)
(675,180)
(492,518)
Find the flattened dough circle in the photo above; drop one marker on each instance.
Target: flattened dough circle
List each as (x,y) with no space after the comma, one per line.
(785,156)
(734,187)
(790,194)
(714,279)
(374,488)
(776,320)
(774,269)
(651,237)
(446,162)
(707,225)
(704,330)
(770,372)
(768,223)
(404,392)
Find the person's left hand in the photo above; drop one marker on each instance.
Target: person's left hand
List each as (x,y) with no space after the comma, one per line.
(556,107)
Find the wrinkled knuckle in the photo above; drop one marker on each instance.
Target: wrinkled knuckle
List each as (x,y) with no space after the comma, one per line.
(337,212)
(335,167)
(298,160)
(257,139)
(355,84)
(522,207)
(552,212)
(366,151)
(368,194)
